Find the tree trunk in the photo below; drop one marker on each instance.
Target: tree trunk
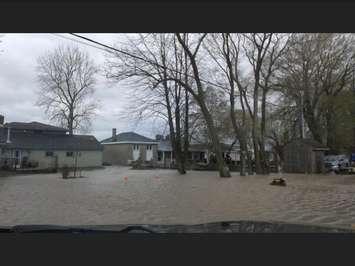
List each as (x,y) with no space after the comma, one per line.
(238,134)
(276,161)
(179,158)
(256,150)
(242,163)
(330,126)
(71,122)
(222,168)
(255,134)
(199,97)
(178,151)
(245,157)
(264,162)
(175,142)
(310,117)
(249,163)
(263,159)
(313,125)
(244,141)
(186,128)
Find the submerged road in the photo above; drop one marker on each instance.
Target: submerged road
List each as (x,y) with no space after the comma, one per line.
(117,195)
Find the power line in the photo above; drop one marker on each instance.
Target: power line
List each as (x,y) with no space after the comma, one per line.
(78,41)
(143,59)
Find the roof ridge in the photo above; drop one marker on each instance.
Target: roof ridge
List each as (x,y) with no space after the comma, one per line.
(129,136)
(34,124)
(127,132)
(55,141)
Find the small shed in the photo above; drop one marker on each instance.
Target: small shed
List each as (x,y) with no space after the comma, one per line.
(304,156)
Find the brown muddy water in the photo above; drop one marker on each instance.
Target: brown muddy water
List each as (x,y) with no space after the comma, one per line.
(118,195)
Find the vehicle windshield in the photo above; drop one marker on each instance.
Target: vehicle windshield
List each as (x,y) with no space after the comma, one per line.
(177,129)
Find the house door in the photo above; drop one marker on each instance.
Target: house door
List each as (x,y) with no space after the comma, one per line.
(18,158)
(135,152)
(149,153)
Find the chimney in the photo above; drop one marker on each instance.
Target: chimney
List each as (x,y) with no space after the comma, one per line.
(114,134)
(2,118)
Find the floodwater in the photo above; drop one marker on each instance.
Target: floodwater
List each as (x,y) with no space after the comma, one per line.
(118,195)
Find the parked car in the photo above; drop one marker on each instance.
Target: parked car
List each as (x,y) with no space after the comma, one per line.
(332,166)
(336,162)
(329,158)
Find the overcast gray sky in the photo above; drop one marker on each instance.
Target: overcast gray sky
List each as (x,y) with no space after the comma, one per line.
(18,83)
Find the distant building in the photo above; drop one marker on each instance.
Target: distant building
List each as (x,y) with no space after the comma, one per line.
(304,156)
(41,146)
(198,152)
(126,147)
(166,156)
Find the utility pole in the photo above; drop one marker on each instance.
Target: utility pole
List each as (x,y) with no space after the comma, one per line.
(75,163)
(302,117)
(353,109)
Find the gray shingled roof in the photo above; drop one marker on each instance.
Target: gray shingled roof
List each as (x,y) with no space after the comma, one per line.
(127,137)
(311,142)
(34,126)
(63,142)
(165,145)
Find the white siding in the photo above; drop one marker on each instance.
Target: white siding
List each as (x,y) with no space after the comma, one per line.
(86,159)
(40,157)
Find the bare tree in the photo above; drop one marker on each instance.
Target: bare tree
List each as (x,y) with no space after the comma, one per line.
(66,77)
(262,54)
(149,62)
(316,68)
(199,97)
(282,127)
(256,47)
(224,49)
(268,82)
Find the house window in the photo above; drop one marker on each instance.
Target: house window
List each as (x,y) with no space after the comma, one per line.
(49,153)
(135,147)
(70,154)
(149,147)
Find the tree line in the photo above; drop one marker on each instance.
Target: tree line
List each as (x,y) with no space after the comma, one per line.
(257,88)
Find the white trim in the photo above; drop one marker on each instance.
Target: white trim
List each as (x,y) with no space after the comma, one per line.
(136,152)
(149,155)
(130,142)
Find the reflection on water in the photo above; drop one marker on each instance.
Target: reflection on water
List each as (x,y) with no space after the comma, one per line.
(118,195)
